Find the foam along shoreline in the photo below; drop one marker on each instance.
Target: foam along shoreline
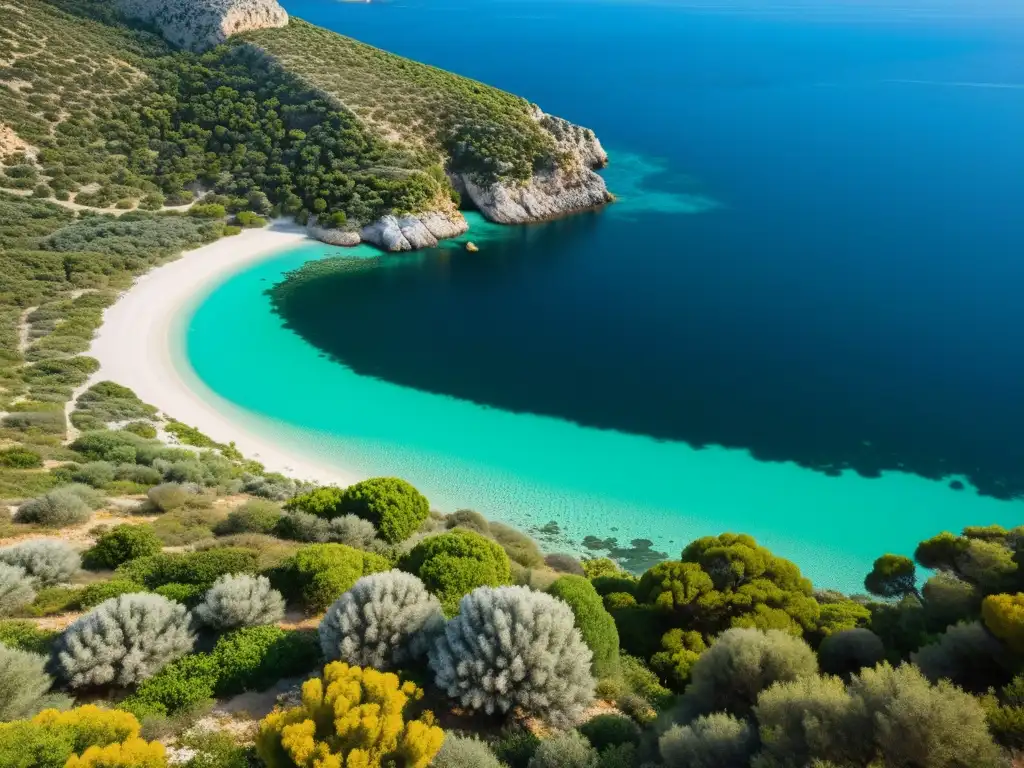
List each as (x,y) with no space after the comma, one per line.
(136,347)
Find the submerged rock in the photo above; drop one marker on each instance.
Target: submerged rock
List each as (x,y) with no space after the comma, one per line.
(472,247)
(200,24)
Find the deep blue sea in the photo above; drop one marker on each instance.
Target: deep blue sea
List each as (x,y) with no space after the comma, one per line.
(803,319)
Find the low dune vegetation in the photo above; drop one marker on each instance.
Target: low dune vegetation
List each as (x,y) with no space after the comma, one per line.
(148,586)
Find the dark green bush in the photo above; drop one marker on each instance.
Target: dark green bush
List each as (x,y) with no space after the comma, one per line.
(254,658)
(610,731)
(322,502)
(395,507)
(141,428)
(593,621)
(455,563)
(26,636)
(516,748)
(320,573)
(20,458)
(119,545)
(94,594)
(186,594)
(199,568)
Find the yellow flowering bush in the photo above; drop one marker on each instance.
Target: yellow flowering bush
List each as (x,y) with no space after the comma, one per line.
(133,753)
(85,737)
(1004,617)
(353,718)
(91,725)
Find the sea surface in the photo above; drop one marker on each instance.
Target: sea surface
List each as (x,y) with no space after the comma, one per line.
(802,320)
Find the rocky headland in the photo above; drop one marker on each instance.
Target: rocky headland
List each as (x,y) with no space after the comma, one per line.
(196,25)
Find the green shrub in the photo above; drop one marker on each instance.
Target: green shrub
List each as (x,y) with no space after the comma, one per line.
(186,594)
(55,509)
(141,428)
(564,750)
(519,547)
(848,652)
(96,474)
(255,658)
(94,594)
(320,573)
(120,544)
(322,502)
(515,748)
(179,686)
(254,516)
(593,621)
(740,664)
(713,741)
(250,219)
(168,496)
(455,563)
(464,752)
(200,568)
(207,211)
(642,682)
(680,651)
(395,508)
(25,686)
(51,601)
(139,474)
(20,458)
(610,731)
(115,447)
(186,525)
(26,636)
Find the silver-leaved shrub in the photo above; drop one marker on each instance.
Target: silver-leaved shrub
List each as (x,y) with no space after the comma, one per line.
(25,686)
(15,589)
(123,641)
(45,561)
(510,648)
(385,620)
(240,600)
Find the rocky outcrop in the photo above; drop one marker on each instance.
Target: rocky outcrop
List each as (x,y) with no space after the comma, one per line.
(343,237)
(396,233)
(407,233)
(200,24)
(571,187)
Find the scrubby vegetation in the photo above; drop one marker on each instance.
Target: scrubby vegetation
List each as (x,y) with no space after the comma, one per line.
(384,621)
(724,656)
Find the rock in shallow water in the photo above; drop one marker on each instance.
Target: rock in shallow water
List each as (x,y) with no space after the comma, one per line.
(422,230)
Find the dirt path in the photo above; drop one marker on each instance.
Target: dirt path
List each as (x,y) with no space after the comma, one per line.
(25,330)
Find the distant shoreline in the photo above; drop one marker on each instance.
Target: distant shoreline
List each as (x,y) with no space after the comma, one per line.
(135,347)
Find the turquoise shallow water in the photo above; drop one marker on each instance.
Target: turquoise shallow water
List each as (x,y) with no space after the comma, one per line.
(815,258)
(530,470)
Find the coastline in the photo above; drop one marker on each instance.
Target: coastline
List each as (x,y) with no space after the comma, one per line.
(136,347)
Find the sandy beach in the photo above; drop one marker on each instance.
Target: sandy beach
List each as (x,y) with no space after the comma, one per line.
(134,348)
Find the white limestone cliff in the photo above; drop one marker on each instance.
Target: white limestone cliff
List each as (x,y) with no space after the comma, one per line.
(200,24)
(569,188)
(396,233)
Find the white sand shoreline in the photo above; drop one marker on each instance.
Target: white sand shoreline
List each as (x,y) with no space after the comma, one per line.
(134,347)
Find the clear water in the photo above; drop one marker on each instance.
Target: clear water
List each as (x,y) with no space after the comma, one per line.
(801,321)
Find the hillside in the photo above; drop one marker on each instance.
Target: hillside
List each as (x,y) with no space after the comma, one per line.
(318,124)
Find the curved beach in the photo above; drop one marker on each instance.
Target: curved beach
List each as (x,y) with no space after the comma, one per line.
(136,347)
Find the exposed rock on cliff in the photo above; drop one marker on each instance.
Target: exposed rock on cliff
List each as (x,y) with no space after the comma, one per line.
(200,24)
(407,233)
(391,233)
(570,187)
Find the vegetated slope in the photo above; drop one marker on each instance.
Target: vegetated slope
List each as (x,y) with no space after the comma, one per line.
(482,129)
(515,162)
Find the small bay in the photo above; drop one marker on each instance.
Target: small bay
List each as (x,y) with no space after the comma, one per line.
(801,320)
